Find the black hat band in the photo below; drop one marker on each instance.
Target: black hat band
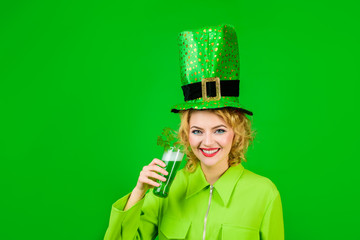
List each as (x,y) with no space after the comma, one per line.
(228,88)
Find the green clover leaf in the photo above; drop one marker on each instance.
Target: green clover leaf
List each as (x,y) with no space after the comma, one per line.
(169,139)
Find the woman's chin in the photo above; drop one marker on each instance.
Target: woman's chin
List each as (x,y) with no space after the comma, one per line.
(210,163)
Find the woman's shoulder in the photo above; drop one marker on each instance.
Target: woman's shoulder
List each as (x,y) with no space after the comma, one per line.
(182,175)
(258,182)
(181,179)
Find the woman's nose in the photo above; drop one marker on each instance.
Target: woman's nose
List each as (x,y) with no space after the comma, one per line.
(208,140)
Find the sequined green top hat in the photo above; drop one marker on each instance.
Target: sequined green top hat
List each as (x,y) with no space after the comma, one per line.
(209,67)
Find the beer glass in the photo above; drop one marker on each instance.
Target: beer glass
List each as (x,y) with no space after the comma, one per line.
(172,159)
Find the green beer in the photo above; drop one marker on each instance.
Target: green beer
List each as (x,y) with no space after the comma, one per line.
(172,159)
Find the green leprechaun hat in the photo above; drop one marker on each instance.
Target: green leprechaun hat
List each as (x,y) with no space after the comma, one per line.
(209,67)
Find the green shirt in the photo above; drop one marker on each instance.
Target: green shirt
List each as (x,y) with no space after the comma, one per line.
(240,205)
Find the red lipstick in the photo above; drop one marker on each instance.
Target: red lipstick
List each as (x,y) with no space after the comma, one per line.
(209,152)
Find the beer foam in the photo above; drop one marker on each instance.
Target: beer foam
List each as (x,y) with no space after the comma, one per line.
(173,155)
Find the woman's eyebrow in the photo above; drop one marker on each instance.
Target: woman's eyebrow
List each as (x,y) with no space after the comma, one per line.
(212,128)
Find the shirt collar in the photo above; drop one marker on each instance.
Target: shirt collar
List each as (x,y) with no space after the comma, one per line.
(197,182)
(224,185)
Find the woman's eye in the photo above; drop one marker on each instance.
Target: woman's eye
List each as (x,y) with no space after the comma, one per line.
(220,131)
(196,132)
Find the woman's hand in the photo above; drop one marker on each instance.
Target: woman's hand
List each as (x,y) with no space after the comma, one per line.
(150,174)
(147,179)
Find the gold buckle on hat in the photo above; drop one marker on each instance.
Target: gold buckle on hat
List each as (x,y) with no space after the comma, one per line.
(203,88)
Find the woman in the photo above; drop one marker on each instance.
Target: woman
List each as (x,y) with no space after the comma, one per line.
(213,197)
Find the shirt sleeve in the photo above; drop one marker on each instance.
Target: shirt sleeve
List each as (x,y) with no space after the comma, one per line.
(138,222)
(272,226)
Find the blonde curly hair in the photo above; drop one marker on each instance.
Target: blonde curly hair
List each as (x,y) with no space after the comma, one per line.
(239,122)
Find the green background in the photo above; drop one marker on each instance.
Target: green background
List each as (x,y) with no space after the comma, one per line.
(86,87)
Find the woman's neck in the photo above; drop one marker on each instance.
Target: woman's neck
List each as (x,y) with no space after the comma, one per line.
(213,173)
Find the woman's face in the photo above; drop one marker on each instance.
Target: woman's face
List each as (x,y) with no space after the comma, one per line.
(210,138)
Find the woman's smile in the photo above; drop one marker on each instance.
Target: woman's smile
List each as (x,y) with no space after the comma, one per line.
(209,152)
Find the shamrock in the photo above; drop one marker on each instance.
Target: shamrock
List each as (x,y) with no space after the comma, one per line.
(169,139)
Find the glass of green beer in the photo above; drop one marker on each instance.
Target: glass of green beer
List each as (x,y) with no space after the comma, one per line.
(172,159)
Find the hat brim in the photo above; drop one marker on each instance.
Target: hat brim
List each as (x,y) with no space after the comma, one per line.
(199,104)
